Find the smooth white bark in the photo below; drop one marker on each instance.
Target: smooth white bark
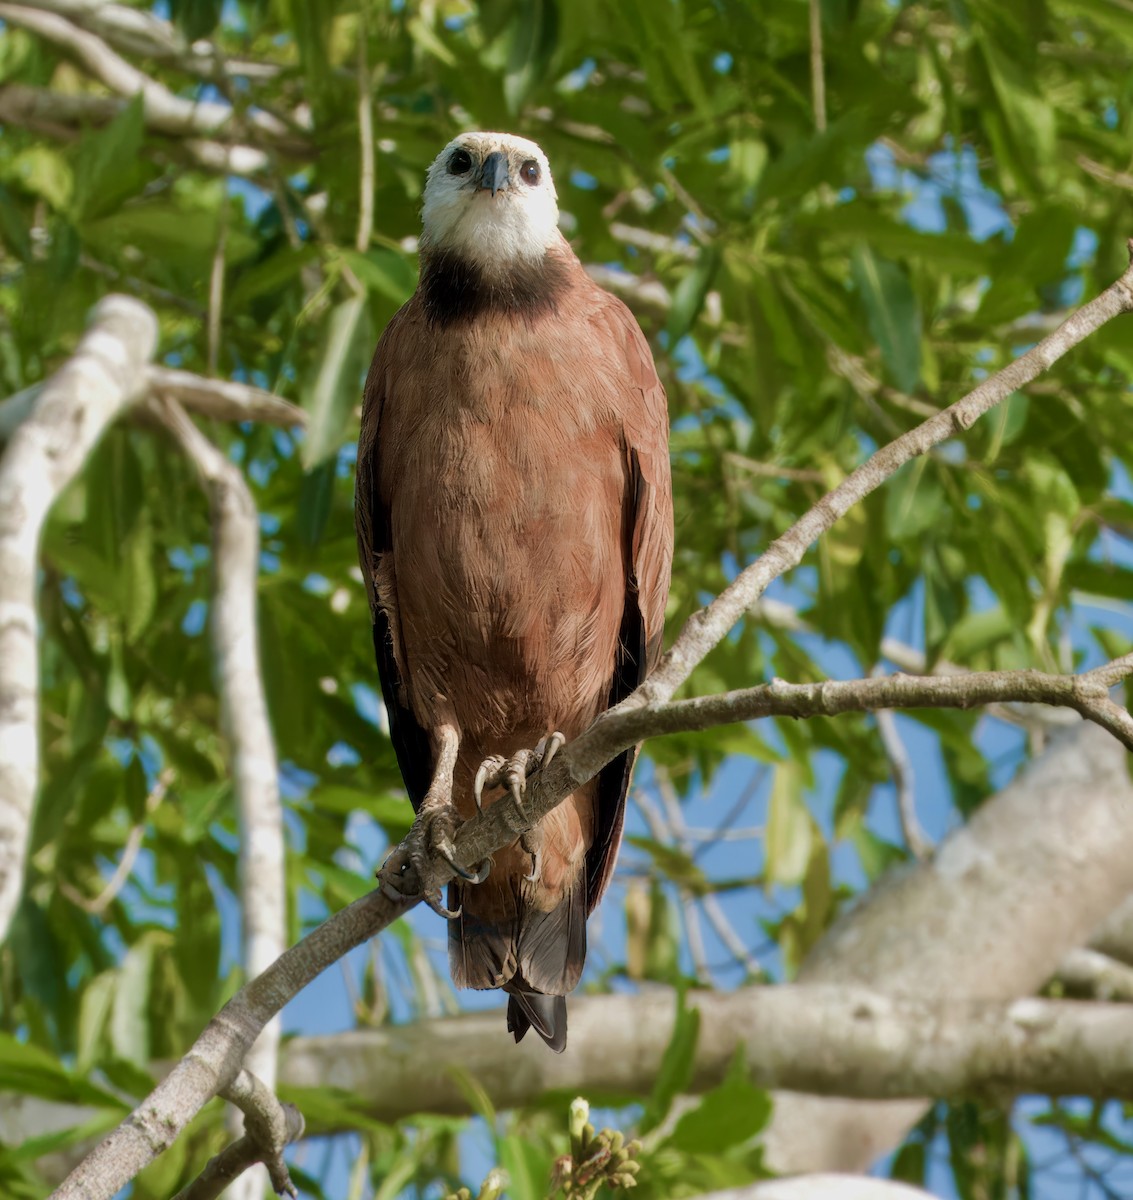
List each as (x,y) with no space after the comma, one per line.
(43,455)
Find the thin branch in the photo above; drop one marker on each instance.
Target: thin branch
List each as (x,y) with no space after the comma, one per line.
(901,768)
(707,627)
(164,112)
(46,451)
(225,399)
(216,288)
(66,115)
(366,140)
(270,1127)
(1086,972)
(137,31)
(817,67)
(129,854)
(255,768)
(142,286)
(772,470)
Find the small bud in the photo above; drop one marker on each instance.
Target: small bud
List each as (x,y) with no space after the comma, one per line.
(579,1116)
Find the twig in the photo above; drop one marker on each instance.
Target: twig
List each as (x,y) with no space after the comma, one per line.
(270,1127)
(817,67)
(225,399)
(707,627)
(901,768)
(772,470)
(164,112)
(216,287)
(45,452)
(129,854)
(142,286)
(138,31)
(366,140)
(255,769)
(65,115)
(1088,972)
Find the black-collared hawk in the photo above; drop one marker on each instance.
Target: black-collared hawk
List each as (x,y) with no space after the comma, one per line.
(515,530)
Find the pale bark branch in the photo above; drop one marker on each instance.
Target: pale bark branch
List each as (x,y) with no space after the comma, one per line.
(1089,973)
(66,115)
(244,716)
(825,1039)
(823,1187)
(104,375)
(225,399)
(137,31)
(164,112)
(269,1128)
(989,917)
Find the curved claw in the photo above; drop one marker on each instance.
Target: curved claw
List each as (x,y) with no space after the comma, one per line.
(554,744)
(534,868)
(517,786)
(438,906)
(489,768)
(447,851)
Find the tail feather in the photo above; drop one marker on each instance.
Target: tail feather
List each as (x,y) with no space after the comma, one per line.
(502,940)
(547,1015)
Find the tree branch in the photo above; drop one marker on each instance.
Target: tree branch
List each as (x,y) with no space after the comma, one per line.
(164,112)
(823,1187)
(61,114)
(46,451)
(270,1127)
(224,399)
(255,769)
(710,625)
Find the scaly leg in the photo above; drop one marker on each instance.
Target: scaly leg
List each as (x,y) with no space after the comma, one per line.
(431,837)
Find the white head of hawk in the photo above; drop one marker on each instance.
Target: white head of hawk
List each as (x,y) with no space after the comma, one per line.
(490,199)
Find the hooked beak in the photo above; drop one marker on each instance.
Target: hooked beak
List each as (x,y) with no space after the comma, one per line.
(493,174)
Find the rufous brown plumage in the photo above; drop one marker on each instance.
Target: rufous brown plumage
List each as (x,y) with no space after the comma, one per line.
(514,520)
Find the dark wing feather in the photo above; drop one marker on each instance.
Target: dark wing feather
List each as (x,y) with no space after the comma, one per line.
(648,539)
(375,554)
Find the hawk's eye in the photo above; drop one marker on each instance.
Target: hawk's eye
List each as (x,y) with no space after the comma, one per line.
(460,162)
(529,172)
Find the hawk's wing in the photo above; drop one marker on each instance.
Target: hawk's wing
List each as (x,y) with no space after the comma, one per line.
(372,525)
(648,547)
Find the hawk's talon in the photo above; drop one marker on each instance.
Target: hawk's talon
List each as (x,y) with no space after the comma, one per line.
(491,766)
(434,901)
(554,744)
(533,877)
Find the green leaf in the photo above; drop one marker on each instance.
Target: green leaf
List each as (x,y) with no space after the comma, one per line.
(107,162)
(44,172)
(730,1114)
(338,385)
(892,313)
(13,228)
(129,1016)
(196,18)
(534,36)
(914,500)
(688,299)
(31,1071)
(675,1071)
(787,842)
